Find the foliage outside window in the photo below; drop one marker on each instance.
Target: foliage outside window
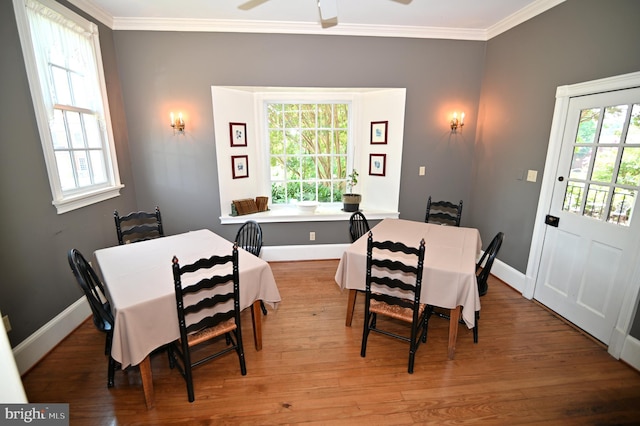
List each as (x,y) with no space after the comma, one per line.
(605,169)
(308,146)
(62,54)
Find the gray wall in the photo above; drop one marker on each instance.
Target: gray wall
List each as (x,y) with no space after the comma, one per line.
(576,41)
(170,71)
(150,73)
(36,283)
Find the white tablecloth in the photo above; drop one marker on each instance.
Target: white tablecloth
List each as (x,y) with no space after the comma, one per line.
(449,278)
(139,284)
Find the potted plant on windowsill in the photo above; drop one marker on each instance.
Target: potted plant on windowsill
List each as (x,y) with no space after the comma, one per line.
(351,201)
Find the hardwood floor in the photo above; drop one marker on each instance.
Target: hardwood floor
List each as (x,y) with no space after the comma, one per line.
(529,367)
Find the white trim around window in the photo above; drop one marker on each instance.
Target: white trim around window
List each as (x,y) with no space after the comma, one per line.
(65,201)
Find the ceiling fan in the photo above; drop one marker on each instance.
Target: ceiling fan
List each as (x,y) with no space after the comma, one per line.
(328,10)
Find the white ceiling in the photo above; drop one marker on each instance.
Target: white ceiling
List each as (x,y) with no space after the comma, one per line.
(456,19)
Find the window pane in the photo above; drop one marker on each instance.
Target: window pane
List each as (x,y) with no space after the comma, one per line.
(58,132)
(308,168)
(79,90)
(278,193)
(596,201)
(75,129)
(65,170)
(309,191)
(580,162)
(276,142)
(612,124)
(633,134)
(622,206)
(291,116)
(341,140)
(97,167)
(324,141)
(277,168)
(341,116)
(308,116)
(308,142)
(293,168)
(588,125)
(324,116)
(629,173)
(61,86)
(292,142)
(274,113)
(604,164)
(82,168)
(324,192)
(94,139)
(573,197)
(294,191)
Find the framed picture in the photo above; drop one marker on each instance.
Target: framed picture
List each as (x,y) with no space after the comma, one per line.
(379,132)
(240,166)
(377,164)
(238,134)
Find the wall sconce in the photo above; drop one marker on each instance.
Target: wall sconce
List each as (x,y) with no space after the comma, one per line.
(177,125)
(455,123)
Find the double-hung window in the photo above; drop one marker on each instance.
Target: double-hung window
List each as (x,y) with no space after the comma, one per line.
(63,61)
(308,146)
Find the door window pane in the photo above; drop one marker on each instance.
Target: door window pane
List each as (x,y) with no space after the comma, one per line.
(604,164)
(580,162)
(633,134)
(622,206)
(588,124)
(596,201)
(613,123)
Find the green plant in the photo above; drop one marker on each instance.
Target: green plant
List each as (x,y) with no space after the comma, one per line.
(352,180)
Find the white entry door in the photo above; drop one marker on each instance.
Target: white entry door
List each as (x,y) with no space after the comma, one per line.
(593,227)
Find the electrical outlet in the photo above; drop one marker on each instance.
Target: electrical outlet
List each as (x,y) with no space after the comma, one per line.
(532,175)
(421,171)
(7,324)
(312,236)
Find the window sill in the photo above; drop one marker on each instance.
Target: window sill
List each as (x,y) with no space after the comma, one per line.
(292,214)
(73,203)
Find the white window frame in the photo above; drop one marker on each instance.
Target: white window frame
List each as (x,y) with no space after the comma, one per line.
(307,98)
(65,201)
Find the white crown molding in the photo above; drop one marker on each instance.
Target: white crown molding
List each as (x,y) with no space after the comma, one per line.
(275,27)
(94,10)
(524,14)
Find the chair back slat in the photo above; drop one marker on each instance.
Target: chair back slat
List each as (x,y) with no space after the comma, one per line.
(138,226)
(249,237)
(484,265)
(443,212)
(358,225)
(93,290)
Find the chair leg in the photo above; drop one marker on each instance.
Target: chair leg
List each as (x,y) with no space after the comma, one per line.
(111,372)
(240,351)
(263,307)
(365,334)
(475,328)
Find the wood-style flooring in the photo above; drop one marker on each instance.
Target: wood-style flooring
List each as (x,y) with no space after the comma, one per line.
(529,367)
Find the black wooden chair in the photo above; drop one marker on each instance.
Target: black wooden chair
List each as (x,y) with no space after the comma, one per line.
(443,212)
(138,226)
(483,270)
(100,308)
(208,308)
(249,237)
(358,225)
(386,274)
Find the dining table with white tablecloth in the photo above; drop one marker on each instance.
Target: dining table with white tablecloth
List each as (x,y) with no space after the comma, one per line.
(449,277)
(139,284)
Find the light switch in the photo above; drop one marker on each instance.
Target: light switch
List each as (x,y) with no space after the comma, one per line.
(422,171)
(532,175)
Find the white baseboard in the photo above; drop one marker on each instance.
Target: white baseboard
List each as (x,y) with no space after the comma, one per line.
(631,352)
(36,346)
(304,252)
(509,275)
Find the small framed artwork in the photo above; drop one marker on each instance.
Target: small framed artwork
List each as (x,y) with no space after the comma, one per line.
(240,166)
(238,134)
(377,164)
(379,132)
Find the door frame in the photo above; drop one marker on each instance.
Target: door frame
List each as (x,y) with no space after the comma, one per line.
(563,96)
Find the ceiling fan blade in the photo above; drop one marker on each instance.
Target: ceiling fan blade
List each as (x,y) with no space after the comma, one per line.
(248,5)
(328,10)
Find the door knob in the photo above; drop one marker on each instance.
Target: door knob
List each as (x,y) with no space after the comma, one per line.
(561,178)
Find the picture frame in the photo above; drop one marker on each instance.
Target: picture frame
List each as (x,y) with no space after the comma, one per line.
(238,134)
(377,164)
(240,166)
(379,132)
